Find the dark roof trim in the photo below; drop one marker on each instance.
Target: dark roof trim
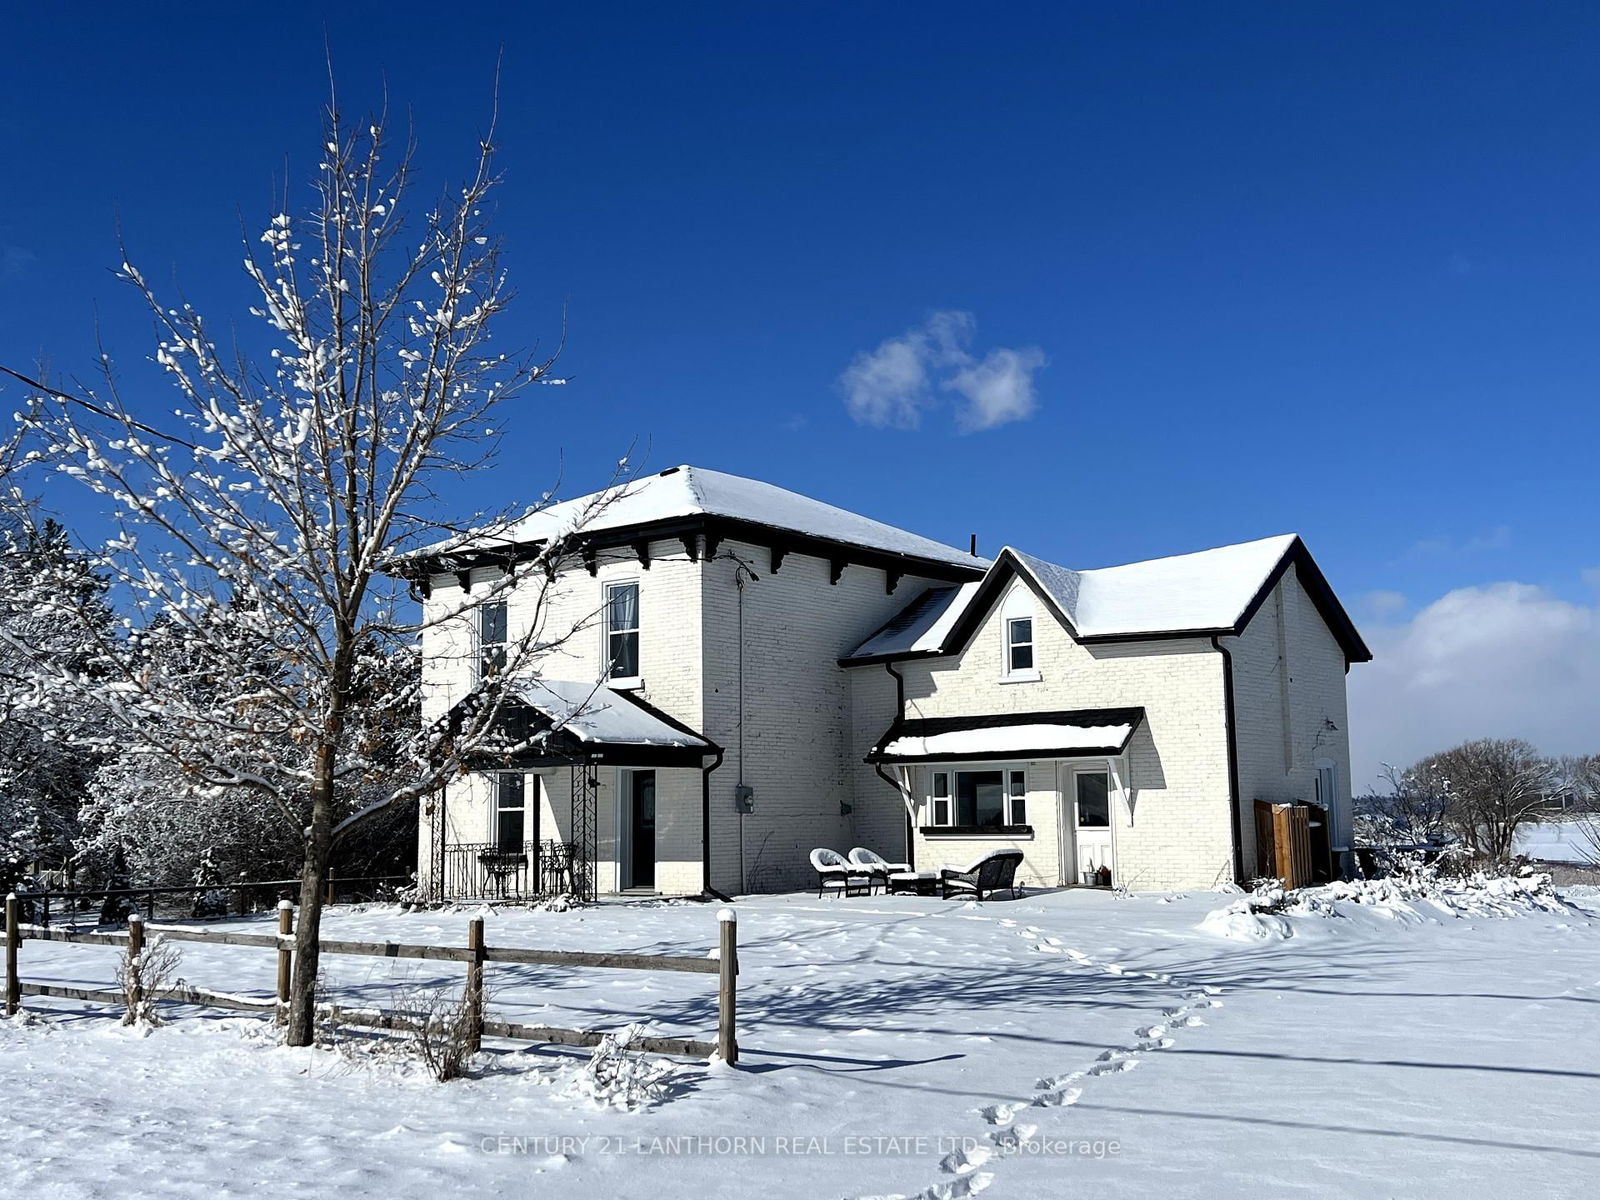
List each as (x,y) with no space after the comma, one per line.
(1007,565)
(715,529)
(1077,718)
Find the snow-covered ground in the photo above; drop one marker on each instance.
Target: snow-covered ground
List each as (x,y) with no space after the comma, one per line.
(1558,841)
(1069,1043)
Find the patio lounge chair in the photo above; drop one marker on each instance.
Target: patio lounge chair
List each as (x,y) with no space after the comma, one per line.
(881,867)
(836,873)
(994,872)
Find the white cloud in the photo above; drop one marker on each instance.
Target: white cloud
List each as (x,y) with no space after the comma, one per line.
(1500,660)
(893,385)
(1386,603)
(888,386)
(997,390)
(1496,537)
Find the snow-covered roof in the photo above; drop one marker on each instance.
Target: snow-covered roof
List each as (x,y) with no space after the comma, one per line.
(1083,732)
(597,715)
(687,492)
(923,625)
(1209,591)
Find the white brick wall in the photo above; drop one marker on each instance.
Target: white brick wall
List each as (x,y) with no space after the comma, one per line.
(1178,831)
(807,724)
(798,729)
(796,712)
(1287,663)
(569,612)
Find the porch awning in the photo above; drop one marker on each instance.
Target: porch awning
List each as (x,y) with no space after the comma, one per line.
(1079,733)
(555,721)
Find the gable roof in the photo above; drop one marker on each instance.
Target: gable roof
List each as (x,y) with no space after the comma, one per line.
(686,494)
(1209,592)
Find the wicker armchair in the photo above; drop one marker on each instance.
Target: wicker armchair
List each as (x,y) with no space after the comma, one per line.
(880,867)
(994,872)
(837,874)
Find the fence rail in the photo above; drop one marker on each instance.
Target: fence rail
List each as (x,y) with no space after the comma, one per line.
(239,898)
(474,955)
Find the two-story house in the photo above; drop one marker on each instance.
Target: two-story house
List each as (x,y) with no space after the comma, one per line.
(755,673)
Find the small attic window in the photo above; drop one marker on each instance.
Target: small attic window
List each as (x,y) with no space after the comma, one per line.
(1018,662)
(1019,645)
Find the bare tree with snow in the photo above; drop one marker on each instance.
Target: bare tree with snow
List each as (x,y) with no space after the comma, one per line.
(258,521)
(1492,787)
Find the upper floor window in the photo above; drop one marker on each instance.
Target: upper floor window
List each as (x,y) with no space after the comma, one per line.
(1019,645)
(1018,661)
(491,638)
(622,631)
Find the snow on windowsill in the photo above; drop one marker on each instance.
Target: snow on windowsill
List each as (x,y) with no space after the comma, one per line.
(1021,677)
(625,683)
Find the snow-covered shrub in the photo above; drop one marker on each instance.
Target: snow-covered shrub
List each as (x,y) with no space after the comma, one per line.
(1416,894)
(616,1078)
(439,1027)
(144,977)
(562,902)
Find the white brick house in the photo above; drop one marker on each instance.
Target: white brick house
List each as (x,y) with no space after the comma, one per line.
(764,674)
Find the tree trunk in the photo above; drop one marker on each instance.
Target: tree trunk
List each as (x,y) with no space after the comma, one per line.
(308,927)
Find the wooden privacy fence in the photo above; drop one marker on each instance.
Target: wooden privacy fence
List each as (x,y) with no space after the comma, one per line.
(1284,843)
(475,954)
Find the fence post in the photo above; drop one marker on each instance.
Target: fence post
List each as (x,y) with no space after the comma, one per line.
(135,995)
(285,958)
(727,974)
(475,983)
(13,942)
(328,897)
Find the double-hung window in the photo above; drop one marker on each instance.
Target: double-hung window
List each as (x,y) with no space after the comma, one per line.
(1019,645)
(941,798)
(491,638)
(982,798)
(622,631)
(510,803)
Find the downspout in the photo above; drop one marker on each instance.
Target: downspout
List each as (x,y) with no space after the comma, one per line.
(705,831)
(1233,758)
(903,792)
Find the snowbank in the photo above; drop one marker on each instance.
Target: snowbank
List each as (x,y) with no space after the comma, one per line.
(1271,913)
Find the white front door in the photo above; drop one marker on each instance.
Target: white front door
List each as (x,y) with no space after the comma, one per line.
(1090,798)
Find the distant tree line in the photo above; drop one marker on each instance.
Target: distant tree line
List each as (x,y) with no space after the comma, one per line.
(1474,798)
(80,805)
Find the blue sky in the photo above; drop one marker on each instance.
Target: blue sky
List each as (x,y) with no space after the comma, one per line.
(1248,268)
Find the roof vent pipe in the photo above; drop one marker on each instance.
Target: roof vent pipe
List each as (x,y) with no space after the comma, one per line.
(974,550)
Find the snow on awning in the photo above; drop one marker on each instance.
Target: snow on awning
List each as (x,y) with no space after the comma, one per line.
(591,721)
(1082,733)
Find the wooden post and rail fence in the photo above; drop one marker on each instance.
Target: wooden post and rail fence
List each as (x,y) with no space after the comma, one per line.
(475,954)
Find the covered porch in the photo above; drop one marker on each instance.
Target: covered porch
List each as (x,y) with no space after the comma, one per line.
(596,792)
(1055,786)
